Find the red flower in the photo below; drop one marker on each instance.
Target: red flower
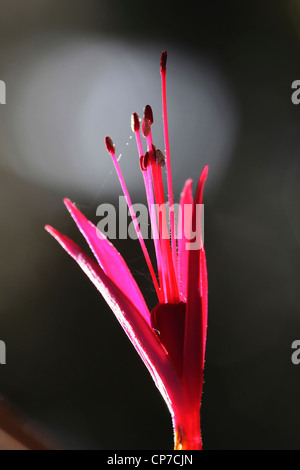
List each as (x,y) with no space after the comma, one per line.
(170,339)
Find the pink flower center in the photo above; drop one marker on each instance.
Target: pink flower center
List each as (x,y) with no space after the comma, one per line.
(168,321)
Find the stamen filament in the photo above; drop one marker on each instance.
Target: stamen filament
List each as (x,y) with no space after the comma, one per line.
(163,70)
(150,202)
(170,280)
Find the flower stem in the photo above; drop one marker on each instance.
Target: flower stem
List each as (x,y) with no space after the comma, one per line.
(187,432)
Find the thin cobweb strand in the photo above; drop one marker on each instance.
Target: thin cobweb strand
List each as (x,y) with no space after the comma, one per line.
(136,225)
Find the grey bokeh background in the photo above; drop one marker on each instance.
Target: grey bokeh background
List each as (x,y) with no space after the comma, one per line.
(74,72)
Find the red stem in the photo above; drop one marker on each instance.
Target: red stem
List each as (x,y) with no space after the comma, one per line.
(187,432)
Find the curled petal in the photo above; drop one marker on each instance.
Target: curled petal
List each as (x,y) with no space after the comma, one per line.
(110,260)
(137,329)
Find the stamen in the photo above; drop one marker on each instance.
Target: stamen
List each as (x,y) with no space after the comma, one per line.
(163,70)
(160,158)
(142,167)
(146,126)
(136,128)
(144,161)
(148,113)
(110,145)
(111,149)
(163,61)
(135,122)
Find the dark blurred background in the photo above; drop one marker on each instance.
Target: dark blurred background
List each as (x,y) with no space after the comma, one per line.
(74,72)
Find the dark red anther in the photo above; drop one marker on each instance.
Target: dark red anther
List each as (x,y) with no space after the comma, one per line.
(144,161)
(142,158)
(163,61)
(135,122)
(146,127)
(110,146)
(160,158)
(152,153)
(148,113)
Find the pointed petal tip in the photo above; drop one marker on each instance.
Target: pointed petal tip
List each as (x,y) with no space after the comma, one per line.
(205,171)
(203,177)
(68,203)
(59,237)
(52,231)
(188,182)
(187,187)
(72,208)
(49,229)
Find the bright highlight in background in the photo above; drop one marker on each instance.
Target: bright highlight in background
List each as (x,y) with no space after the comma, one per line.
(65,97)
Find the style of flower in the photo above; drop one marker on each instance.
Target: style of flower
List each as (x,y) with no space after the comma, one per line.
(171,338)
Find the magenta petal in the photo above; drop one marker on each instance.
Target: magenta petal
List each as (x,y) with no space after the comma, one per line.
(186,202)
(110,260)
(196,312)
(204,295)
(140,334)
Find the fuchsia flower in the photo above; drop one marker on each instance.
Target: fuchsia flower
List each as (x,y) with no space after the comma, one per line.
(170,339)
